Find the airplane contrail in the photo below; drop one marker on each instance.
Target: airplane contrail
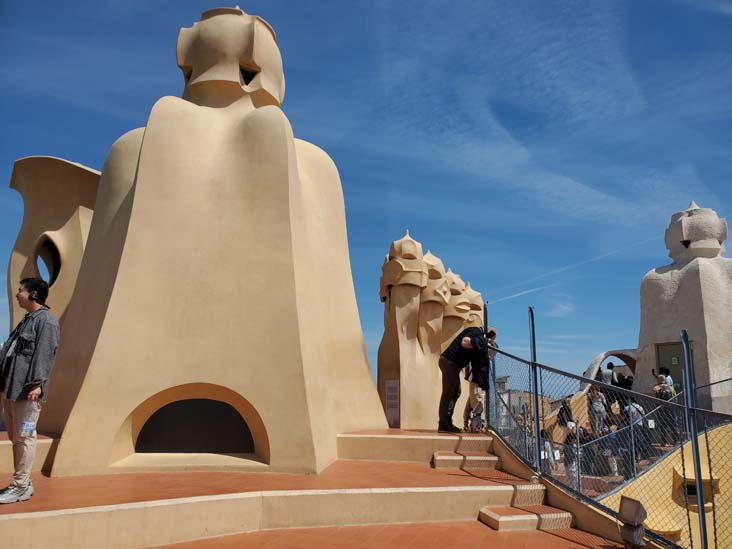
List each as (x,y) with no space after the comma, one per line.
(519,294)
(572,266)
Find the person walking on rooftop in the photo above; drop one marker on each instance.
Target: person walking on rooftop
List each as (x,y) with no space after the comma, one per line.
(571,457)
(668,380)
(609,377)
(597,409)
(564,416)
(668,416)
(26,360)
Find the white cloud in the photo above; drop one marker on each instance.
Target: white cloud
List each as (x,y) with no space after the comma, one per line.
(86,73)
(560,309)
(573,352)
(430,101)
(721,7)
(522,293)
(572,266)
(565,337)
(515,348)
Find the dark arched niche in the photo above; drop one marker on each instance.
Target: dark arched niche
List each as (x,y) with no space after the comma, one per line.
(196,425)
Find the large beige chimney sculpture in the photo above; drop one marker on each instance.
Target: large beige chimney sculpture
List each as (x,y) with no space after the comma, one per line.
(214,322)
(58,199)
(694,293)
(425,308)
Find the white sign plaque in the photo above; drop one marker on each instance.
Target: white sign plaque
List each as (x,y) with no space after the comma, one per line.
(392,402)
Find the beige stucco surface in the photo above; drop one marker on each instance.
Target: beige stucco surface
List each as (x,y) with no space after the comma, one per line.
(662,493)
(58,199)
(694,293)
(217,268)
(425,308)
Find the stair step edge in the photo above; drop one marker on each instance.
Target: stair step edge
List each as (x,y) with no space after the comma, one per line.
(524,518)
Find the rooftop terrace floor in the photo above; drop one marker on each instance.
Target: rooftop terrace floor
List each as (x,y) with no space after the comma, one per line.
(435,535)
(89,491)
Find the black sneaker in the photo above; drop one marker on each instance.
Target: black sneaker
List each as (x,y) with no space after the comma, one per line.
(448,429)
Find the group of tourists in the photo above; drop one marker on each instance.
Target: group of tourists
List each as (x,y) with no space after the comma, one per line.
(616,442)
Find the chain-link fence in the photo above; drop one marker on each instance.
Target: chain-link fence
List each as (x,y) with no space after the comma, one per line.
(719,392)
(604,441)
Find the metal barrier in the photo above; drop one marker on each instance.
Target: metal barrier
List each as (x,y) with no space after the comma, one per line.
(602,441)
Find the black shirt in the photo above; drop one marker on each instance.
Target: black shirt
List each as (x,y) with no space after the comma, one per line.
(461,356)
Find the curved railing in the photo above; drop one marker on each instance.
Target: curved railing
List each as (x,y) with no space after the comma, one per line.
(625,448)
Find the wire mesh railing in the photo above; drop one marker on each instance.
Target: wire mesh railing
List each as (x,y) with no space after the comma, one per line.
(719,391)
(604,441)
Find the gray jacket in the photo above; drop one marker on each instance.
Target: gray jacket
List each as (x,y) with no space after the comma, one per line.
(32,358)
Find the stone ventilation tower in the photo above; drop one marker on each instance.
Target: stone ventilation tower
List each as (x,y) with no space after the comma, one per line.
(694,293)
(213,324)
(424,309)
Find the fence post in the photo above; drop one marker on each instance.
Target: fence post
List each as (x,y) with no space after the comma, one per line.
(686,416)
(578,452)
(633,454)
(694,436)
(525,429)
(491,375)
(535,392)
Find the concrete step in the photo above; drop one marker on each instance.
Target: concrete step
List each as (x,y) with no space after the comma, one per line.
(160,522)
(528,494)
(533,517)
(464,460)
(402,445)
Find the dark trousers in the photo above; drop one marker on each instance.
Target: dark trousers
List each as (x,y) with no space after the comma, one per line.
(450,390)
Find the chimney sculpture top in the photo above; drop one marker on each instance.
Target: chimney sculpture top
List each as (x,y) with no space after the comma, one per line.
(403,265)
(437,288)
(695,232)
(229,52)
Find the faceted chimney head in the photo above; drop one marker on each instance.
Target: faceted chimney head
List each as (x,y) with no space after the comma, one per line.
(457,286)
(403,266)
(695,232)
(405,248)
(437,288)
(230,46)
(458,305)
(475,300)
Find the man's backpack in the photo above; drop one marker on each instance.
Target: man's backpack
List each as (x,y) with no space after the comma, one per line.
(665,392)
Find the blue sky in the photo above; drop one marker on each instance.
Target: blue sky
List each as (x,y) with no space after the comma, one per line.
(539,148)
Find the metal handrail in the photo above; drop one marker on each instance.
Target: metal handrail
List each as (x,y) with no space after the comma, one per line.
(615,388)
(622,429)
(713,383)
(578,495)
(515,431)
(642,418)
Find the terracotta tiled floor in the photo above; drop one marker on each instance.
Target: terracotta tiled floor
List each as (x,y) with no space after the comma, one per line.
(75,492)
(399,536)
(414,432)
(69,493)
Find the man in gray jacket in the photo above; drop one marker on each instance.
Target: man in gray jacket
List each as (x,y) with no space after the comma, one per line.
(26,360)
